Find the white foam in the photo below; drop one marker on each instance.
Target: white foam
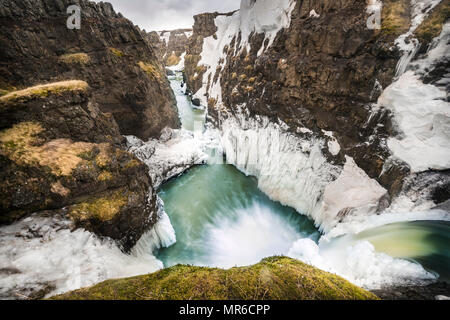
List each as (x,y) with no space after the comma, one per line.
(256,234)
(359,263)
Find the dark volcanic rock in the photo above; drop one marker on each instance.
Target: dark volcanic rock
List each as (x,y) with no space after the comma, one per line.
(109,53)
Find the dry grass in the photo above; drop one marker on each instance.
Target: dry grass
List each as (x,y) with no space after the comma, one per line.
(21,145)
(173,60)
(395,19)
(116,52)
(75,58)
(151,70)
(42,91)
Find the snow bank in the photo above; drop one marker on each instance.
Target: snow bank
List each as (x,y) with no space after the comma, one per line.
(421,113)
(352,194)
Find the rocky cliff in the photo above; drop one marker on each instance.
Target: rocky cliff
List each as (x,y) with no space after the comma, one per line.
(67,99)
(316,74)
(170,45)
(60,153)
(108,52)
(204,27)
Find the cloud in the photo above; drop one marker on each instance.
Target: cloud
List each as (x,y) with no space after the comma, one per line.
(169,14)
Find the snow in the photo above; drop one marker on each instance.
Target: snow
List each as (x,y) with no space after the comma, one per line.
(165,37)
(263,16)
(314,14)
(406,42)
(168,159)
(42,250)
(353,192)
(422,113)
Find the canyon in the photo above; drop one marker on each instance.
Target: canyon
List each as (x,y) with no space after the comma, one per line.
(284,118)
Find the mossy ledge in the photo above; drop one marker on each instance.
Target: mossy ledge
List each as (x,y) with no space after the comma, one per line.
(276,278)
(42,91)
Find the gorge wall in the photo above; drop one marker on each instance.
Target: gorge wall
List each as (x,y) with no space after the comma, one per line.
(170,45)
(318,76)
(108,52)
(67,99)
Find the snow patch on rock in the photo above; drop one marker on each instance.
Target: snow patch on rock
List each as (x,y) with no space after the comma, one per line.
(354,193)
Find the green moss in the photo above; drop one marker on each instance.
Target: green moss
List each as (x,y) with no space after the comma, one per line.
(276,278)
(432,26)
(103,208)
(116,52)
(42,91)
(75,58)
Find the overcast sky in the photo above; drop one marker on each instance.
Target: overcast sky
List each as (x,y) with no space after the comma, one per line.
(169,14)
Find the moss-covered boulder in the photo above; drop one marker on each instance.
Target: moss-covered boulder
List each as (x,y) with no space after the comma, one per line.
(276,278)
(59,152)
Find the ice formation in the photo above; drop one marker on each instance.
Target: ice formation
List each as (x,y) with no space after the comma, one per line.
(42,252)
(406,42)
(168,159)
(421,113)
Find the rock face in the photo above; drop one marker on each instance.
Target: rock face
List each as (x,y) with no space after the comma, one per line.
(321,73)
(204,27)
(108,52)
(58,150)
(170,45)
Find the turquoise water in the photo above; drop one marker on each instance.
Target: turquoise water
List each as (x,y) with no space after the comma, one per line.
(221,219)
